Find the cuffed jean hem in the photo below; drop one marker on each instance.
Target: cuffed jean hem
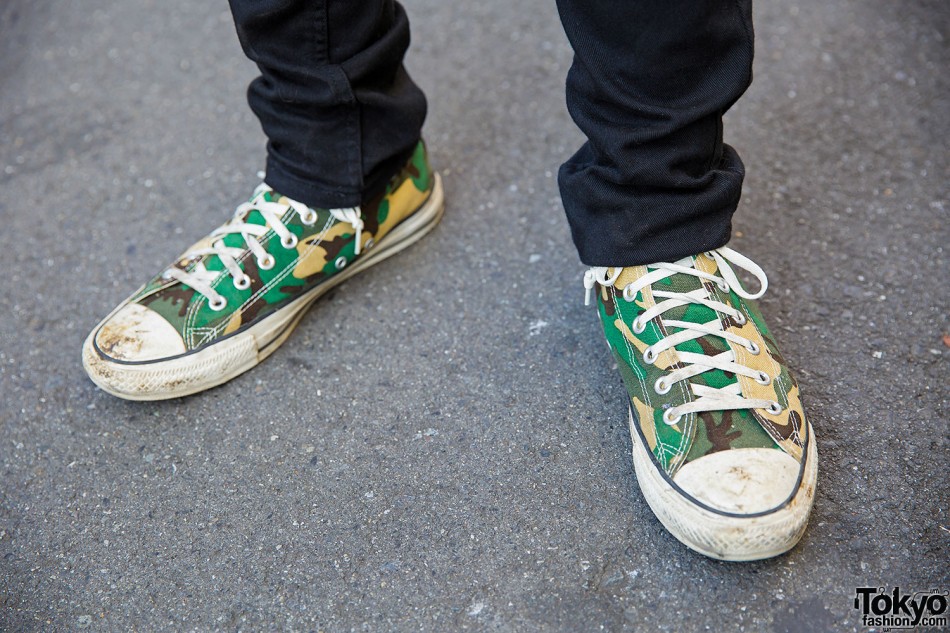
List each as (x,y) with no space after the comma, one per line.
(617,225)
(319,196)
(309,192)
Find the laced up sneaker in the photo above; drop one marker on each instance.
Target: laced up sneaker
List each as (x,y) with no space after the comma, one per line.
(721,448)
(236,295)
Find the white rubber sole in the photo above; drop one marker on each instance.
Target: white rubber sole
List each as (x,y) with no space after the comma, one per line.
(232,356)
(721,535)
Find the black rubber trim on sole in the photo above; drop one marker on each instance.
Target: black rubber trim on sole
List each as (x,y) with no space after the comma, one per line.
(697,502)
(240,330)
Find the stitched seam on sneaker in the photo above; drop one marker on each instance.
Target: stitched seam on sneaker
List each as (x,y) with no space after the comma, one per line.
(288,269)
(668,450)
(686,392)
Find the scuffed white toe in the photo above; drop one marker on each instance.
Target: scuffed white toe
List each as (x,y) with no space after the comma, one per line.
(136,333)
(740,480)
(738,504)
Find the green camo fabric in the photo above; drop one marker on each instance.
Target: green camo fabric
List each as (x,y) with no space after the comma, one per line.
(696,435)
(316,257)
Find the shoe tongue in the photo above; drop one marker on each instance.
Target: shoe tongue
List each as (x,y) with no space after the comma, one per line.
(695,313)
(251,216)
(683,283)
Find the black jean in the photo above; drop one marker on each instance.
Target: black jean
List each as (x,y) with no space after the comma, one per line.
(649,84)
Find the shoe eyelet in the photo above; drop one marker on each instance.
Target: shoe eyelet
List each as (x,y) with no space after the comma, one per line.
(369,244)
(242,283)
(628,295)
(723,286)
(309,218)
(662,387)
(740,319)
(774,408)
(289,242)
(709,255)
(763,378)
(753,348)
(671,419)
(340,263)
(649,356)
(638,326)
(267,262)
(218,303)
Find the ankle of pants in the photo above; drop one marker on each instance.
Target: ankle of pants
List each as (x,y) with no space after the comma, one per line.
(649,85)
(339,110)
(620,224)
(324,195)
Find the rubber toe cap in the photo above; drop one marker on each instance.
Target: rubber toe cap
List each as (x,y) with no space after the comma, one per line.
(741,480)
(137,334)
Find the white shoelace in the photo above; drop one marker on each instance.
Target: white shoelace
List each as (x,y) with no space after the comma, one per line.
(707,398)
(201,279)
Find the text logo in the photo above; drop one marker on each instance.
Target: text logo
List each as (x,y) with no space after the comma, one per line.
(894,610)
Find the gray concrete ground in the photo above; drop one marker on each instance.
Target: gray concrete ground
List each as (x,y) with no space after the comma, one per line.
(442,444)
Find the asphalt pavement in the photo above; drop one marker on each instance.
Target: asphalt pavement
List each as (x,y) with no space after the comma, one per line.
(442,444)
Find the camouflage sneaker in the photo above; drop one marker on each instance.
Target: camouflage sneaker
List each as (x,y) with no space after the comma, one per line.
(236,295)
(721,448)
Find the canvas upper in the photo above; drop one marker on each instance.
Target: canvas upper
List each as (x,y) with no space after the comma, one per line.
(173,315)
(743,458)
